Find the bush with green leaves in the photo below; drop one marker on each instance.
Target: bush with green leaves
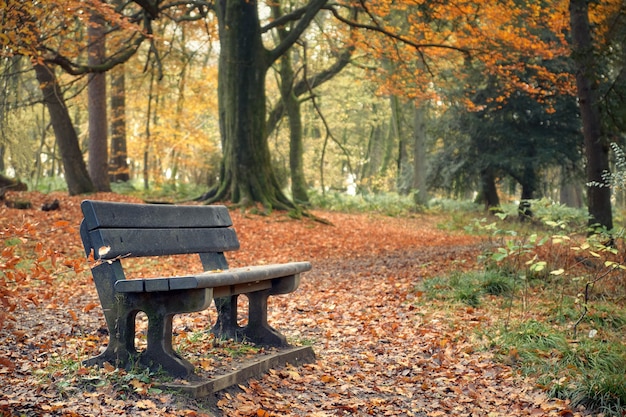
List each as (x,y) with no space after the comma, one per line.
(391,204)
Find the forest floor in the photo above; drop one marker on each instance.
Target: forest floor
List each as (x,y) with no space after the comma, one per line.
(380,349)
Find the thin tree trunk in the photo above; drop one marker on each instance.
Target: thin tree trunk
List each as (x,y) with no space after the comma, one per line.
(420,187)
(76,176)
(119,170)
(148,138)
(529,184)
(570,192)
(596,146)
(296,149)
(294,116)
(97,105)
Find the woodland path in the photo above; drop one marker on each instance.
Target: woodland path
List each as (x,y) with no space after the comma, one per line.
(381,349)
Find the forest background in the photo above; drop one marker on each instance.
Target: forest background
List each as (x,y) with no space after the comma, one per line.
(513,100)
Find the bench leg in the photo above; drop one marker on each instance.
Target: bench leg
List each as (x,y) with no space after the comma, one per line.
(121,348)
(258,330)
(159,354)
(161,307)
(119,314)
(226,326)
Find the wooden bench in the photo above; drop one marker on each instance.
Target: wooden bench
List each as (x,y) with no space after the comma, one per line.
(118,232)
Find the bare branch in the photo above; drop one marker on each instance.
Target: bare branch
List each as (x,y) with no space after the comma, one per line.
(377,28)
(309,14)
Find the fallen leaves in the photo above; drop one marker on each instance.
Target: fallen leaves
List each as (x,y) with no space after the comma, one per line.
(380,350)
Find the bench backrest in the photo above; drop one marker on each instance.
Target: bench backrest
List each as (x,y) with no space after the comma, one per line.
(120,230)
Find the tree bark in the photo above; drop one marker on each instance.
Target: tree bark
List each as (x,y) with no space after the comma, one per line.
(294,116)
(247,175)
(296,141)
(529,184)
(488,191)
(118,167)
(596,145)
(420,187)
(76,175)
(243,64)
(97,106)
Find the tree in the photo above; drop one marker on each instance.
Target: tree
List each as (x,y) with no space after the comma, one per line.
(97,106)
(118,164)
(76,175)
(51,36)
(246,171)
(596,144)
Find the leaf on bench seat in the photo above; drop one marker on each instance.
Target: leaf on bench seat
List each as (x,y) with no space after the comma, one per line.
(103,250)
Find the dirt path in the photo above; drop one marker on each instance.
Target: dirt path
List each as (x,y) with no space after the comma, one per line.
(380,349)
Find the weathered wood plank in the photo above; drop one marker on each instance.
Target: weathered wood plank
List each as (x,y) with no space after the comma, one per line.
(216,279)
(294,356)
(135,242)
(122,215)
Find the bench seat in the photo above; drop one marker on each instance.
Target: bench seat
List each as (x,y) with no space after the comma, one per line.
(288,275)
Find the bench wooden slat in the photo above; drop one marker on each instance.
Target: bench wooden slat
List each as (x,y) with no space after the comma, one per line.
(100,214)
(209,279)
(241,288)
(236,276)
(157,242)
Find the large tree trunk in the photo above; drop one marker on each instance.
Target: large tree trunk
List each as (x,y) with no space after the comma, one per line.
(247,171)
(97,106)
(246,175)
(76,176)
(488,192)
(596,146)
(118,167)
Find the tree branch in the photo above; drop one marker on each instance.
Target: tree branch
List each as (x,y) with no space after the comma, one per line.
(308,15)
(73,68)
(307,84)
(377,28)
(284,19)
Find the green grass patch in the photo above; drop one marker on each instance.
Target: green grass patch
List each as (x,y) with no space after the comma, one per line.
(167,192)
(589,371)
(467,287)
(390,204)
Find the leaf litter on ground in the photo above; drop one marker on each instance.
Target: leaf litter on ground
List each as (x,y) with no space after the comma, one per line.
(380,351)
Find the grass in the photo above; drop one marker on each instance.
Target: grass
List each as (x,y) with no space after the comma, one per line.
(590,371)
(467,288)
(391,204)
(164,192)
(552,325)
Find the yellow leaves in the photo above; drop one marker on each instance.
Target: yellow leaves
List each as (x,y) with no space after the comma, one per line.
(328,379)
(142,388)
(90,307)
(108,367)
(291,373)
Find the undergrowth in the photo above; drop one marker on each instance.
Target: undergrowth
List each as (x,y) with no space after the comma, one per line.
(391,204)
(558,292)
